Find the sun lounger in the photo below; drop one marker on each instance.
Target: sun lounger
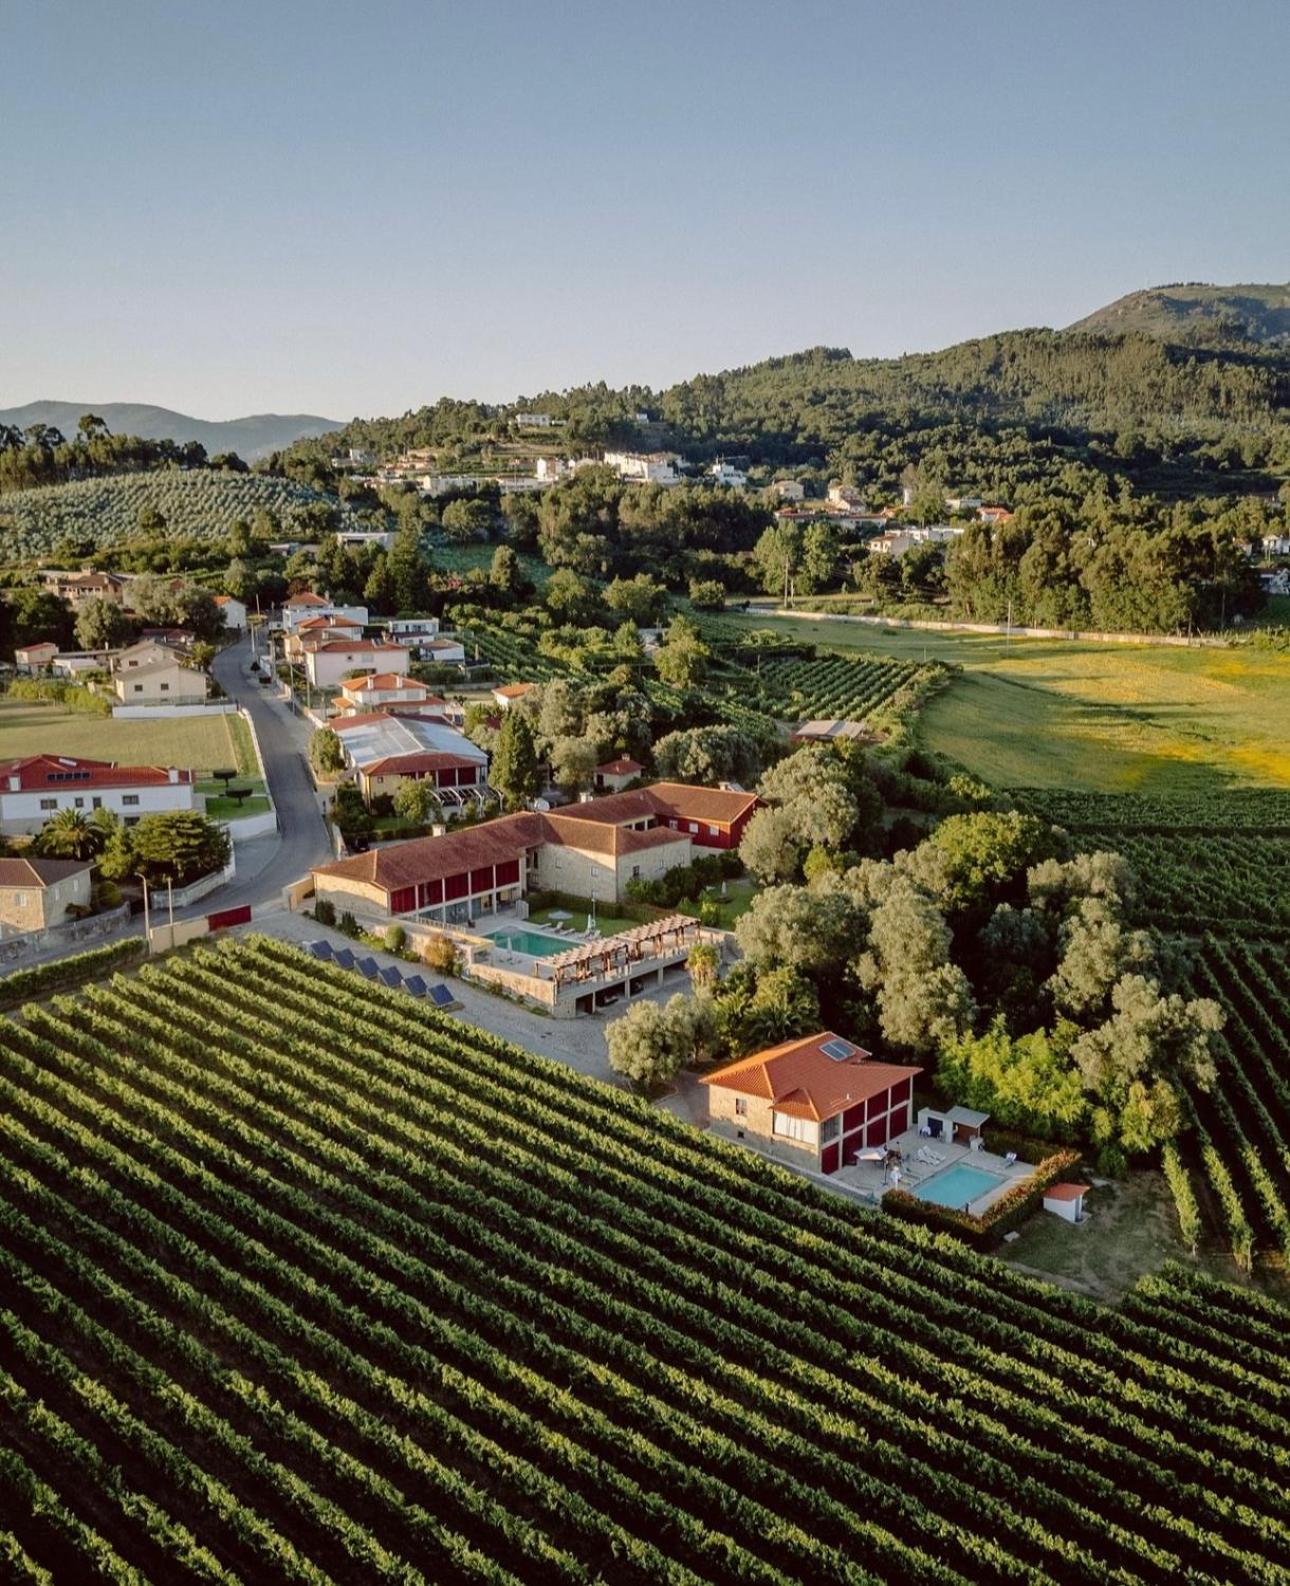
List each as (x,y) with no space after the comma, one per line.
(1010,1159)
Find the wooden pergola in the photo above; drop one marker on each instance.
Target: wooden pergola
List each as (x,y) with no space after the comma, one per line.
(599,960)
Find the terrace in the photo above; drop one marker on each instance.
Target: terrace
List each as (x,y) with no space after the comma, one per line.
(952,1169)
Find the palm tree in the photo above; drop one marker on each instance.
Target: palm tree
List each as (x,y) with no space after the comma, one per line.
(69,835)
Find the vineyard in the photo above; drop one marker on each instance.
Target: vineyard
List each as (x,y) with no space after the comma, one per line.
(303,1282)
(831,687)
(1240,1140)
(1216,862)
(202,504)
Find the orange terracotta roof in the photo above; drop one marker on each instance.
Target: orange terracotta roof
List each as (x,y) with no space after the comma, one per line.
(568,828)
(513,690)
(1065,1192)
(418,763)
(801,1079)
(357,646)
(625,766)
(45,770)
(433,858)
(382,681)
(308,598)
(670,801)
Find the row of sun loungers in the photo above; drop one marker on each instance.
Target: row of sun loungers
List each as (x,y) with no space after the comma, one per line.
(928,1157)
(435,992)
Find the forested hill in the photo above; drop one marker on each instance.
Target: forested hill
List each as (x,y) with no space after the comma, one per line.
(1194,314)
(1167,416)
(251,437)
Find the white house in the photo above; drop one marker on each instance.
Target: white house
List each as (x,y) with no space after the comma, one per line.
(446,652)
(724,474)
(232,611)
(329,661)
(645,468)
(378,690)
(307,604)
(506,695)
(534,421)
(412,628)
(159,682)
(548,469)
(37,786)
(35,657)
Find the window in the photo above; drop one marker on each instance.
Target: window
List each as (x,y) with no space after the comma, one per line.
(49,804)
(165,688)
(20,899)
(714,831)
(741,1106)
(830,1128)
(636,872)
(694,826)
(129,798)
(96,803)
(793,1128)
(137,687)
(79,803)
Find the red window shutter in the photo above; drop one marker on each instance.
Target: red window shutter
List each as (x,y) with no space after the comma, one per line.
(829,1158)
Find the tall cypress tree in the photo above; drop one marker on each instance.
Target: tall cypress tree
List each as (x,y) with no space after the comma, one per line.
(514,771)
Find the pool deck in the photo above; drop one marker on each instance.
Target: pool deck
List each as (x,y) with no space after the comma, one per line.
(869,1178)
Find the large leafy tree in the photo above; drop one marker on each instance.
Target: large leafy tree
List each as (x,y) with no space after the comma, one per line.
(514,770)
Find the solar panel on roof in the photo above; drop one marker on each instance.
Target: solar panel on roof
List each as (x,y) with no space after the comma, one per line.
(839,1050)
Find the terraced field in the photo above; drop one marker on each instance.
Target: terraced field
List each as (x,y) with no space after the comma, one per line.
(302,1282)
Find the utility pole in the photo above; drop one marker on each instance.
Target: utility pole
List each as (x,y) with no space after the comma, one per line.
(170,907)
(146,926)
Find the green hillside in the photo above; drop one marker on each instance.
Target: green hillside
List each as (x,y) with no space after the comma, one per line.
(1197,315)
(200,504)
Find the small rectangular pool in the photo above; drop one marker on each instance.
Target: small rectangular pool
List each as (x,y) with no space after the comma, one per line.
(529,942)
(956,1186)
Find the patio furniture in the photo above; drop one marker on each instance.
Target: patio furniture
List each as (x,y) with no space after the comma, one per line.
(1010,1159)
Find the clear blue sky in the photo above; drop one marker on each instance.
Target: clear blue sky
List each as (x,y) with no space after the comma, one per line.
(351,208)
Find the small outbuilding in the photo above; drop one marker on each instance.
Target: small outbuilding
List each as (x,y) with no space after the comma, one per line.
(955,1125)
(1067,1200)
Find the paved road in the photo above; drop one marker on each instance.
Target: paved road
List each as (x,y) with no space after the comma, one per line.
(284,742)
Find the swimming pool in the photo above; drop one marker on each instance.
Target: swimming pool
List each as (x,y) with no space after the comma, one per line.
(956,1186)
(529,942)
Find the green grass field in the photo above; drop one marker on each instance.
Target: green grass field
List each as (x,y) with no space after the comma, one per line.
(199,743)
(1104,717)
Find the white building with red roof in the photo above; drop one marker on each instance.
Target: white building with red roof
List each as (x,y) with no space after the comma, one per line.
(37,786)
(817,1101)
(614,775)
(330,661)
(297,608)
(232,611)
(384,748)
(381,690)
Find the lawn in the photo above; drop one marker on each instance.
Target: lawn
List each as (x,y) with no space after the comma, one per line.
(739,896)
(221,808)
(1103,717)
(472,558)
(204,743)
(609,924)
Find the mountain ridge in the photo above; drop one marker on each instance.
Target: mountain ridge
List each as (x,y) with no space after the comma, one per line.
(1198,314)
(251,436)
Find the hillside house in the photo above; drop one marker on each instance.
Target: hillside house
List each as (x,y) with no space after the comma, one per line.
(789,490)
(381,690)
(232,612)
(645,468)
(77,588)
(505,696)
(37,893)
(816,1101)
(299,608)
(37,786)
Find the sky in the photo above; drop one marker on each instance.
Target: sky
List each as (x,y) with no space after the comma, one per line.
(355,209)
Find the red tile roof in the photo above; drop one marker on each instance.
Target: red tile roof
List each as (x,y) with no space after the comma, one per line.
(625,766)
(419,763)
(1065,1192)
(433,858)
(308,598)
(669,801)
(358,646)
(513,690)
(382,681)
(801,1079)
(567,827)
(45,770)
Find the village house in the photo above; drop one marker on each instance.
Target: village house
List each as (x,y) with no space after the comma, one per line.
(329,661)
(816,1101)
(35,657)
(384,749)
(77,588)
(994,514)
(443,651)
(232,612)
(829,732)
(614,775)
(645,468)
(505,696)
(386,690)
(306,604)
(161,681)
(318,629)
(37,786)
(789,490)
(724,474)
(37,893)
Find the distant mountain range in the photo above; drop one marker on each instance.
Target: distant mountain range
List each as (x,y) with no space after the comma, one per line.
(1193,313)
(251,437)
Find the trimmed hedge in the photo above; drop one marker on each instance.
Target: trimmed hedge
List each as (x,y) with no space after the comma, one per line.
(1007,1213)
(44,979)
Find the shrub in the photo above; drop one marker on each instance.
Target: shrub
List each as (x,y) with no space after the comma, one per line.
(325,911)
(440,954)
(64,973)
(396,939)
(347,924)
